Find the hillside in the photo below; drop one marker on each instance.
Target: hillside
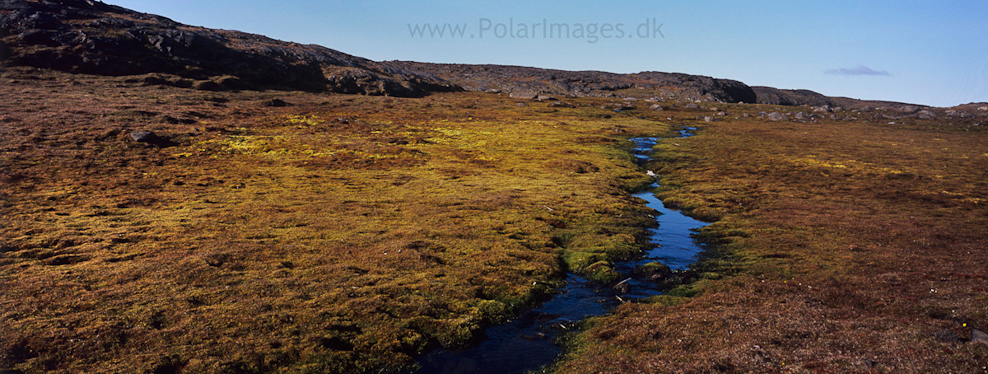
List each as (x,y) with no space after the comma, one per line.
(530,82)
(775,96)
(82,36)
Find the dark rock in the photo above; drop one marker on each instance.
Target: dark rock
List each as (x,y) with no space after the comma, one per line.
(278,103)
(144,136)
(655,271)
(150,138)
(777,117)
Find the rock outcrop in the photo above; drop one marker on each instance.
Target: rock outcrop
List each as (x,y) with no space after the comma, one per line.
(520,80)
(775,96)
(81,36)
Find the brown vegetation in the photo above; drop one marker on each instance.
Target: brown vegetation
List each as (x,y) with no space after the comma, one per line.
(272,231)
(847,246)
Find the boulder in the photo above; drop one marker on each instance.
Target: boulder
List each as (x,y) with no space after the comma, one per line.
(144,136)
(777,117)
(528,95)
(655,271)
(909,109)
(150,138)
(926,114)
(978,336)
(561,104)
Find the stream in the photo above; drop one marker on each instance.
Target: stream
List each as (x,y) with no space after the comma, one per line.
(526,343)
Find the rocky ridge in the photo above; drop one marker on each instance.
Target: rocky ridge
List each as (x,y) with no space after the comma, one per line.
(82,36)
(529,82)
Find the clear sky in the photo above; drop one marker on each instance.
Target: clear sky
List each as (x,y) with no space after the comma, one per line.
(926,52)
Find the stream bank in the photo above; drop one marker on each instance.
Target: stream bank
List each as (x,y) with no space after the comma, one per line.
(526,343)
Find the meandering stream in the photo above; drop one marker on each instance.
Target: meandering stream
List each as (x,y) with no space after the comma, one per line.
(526,343)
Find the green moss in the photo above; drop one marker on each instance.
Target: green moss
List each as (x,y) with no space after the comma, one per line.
(494,311)
(602,272)
(655,269)
(340,234)
(683,291)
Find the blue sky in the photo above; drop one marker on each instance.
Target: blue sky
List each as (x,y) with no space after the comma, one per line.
(926,52)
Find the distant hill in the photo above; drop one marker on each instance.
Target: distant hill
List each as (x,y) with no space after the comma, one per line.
(775,96)
(533,81)
(82,36)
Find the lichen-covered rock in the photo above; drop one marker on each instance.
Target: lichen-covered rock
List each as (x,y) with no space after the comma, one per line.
(777,117)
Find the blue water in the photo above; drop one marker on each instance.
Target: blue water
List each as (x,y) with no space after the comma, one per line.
(526,344)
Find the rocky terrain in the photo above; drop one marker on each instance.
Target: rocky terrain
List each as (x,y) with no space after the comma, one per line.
(531,82)
(81,36)
(775,96)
